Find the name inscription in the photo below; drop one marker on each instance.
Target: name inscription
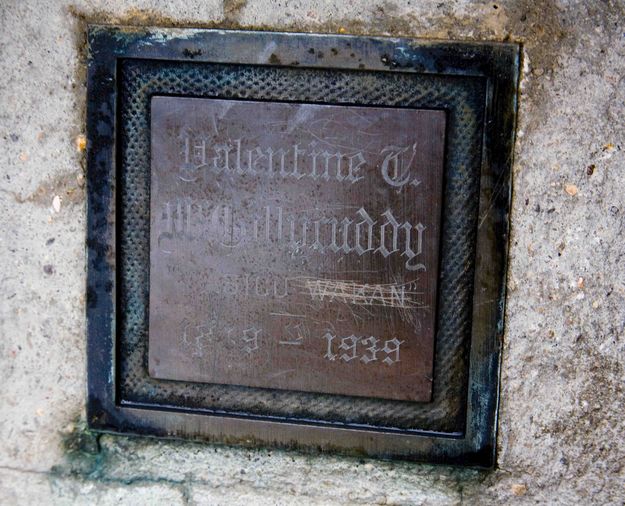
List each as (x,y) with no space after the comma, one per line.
(295,246)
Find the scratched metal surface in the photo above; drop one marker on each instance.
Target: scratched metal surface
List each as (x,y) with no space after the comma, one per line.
(463,100)
(295,246)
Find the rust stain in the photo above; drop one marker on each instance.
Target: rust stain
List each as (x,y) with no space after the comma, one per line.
(68,187)
(233,8)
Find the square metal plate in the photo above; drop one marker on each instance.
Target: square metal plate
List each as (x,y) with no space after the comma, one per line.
(298,240)
(295,246)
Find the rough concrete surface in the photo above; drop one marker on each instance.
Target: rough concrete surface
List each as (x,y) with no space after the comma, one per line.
(561,430)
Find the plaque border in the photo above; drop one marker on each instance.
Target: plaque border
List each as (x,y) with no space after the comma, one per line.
(497,63)
(462,99)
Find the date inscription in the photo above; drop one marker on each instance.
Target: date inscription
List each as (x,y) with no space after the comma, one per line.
(295,246)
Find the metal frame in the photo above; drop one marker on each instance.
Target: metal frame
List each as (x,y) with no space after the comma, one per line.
(497,64)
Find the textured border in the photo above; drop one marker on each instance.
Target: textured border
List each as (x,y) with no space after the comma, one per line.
(462,99)
(497,64)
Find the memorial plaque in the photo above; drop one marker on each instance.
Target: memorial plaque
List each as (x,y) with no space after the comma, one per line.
(298,240)
(295,246)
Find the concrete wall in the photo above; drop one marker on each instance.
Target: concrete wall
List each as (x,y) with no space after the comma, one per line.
(561,431)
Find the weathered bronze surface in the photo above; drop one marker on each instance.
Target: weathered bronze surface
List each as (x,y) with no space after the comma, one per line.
(201,280)
(295,246)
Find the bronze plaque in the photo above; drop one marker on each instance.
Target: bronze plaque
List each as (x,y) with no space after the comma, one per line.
(295,246)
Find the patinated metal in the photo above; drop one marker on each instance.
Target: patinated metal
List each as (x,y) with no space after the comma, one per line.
(190,333)
(295,246)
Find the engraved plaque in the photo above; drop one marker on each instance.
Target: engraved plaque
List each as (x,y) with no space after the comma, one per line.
(295,246)
(298,240)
